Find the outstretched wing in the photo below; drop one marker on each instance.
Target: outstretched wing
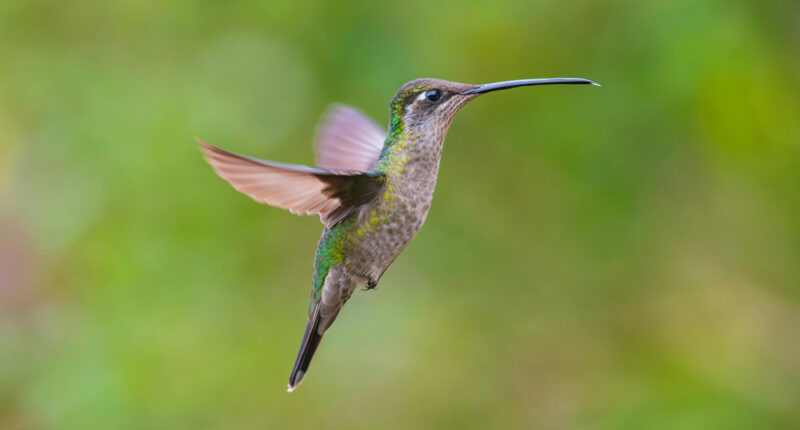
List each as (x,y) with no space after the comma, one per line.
(348,140)
(300,189)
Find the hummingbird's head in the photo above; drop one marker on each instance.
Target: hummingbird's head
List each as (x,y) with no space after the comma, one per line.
(427,103)
(425,106)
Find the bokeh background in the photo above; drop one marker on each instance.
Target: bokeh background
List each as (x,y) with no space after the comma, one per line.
(622,257)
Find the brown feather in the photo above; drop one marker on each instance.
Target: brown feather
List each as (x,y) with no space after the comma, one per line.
(300,189)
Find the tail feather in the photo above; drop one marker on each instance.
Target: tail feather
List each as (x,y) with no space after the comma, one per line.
(311,340)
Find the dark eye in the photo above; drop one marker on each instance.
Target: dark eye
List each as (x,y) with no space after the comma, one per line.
(433,95)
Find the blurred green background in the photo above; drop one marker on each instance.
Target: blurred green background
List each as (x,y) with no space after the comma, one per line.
(623,257)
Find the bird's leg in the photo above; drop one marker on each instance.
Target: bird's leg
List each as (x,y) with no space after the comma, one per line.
(371,284)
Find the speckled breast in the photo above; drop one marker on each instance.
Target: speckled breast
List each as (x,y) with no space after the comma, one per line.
(388,225)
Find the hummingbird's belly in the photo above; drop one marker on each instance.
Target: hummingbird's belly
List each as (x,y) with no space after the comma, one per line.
(384,230)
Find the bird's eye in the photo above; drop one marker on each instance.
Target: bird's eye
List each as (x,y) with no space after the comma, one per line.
(433,95)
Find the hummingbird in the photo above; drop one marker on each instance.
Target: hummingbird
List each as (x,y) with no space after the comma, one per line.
(371,188)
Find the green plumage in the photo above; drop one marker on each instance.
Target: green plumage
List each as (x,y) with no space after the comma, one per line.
(330,252)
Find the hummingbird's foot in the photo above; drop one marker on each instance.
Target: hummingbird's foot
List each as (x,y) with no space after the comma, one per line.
(371,285)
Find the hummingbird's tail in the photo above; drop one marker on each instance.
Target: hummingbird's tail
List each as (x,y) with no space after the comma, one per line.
(308,347)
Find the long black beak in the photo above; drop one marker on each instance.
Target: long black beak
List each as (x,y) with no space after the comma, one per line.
(485,88)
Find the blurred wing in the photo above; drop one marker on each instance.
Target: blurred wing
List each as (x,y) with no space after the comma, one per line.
(348,140)
(300,189)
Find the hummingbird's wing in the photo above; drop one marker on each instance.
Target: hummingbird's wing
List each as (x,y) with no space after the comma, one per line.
(300,189)
(348,140)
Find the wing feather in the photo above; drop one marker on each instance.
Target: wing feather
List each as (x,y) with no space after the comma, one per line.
(348,140)
(300,189)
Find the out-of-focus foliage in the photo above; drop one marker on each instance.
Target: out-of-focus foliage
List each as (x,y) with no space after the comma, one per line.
(624,257)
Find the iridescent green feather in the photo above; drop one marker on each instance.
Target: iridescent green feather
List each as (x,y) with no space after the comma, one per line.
(330,252)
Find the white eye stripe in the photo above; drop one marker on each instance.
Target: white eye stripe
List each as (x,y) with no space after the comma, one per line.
(421,95)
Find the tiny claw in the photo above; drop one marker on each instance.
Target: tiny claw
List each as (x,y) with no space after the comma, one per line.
(371,285)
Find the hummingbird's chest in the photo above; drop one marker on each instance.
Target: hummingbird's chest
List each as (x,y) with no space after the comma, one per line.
(386,226)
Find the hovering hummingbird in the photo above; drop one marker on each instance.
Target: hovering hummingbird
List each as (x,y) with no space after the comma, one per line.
(371,189)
